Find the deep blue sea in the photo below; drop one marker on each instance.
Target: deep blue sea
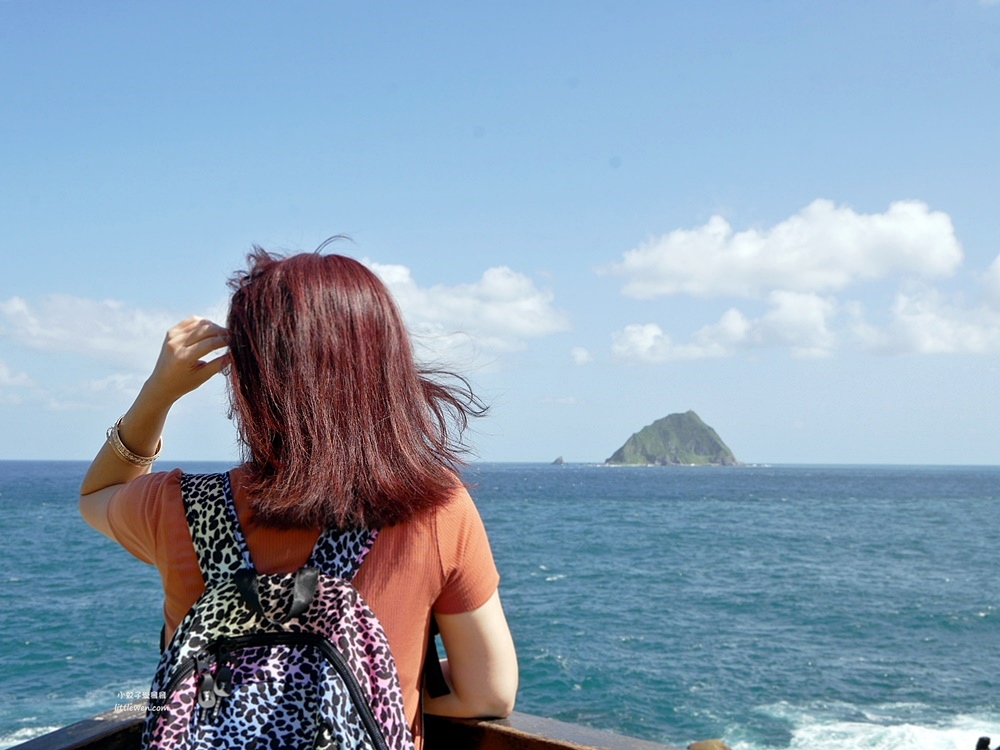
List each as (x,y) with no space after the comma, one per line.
(773,606)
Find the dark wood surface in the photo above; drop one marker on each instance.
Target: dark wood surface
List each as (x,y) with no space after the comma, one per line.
(122,730)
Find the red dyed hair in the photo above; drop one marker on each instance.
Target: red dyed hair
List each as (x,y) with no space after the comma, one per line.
(339,426)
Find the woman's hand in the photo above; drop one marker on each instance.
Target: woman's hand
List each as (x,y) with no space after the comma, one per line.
(180,369)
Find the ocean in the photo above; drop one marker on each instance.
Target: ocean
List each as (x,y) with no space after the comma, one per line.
(776,607)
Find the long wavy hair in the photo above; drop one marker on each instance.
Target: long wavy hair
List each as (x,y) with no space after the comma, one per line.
(338,424)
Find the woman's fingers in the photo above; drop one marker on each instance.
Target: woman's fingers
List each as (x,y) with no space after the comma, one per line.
(200,347)
(219,364)
(196,337)
(206,369)
(194,330)
(181,366)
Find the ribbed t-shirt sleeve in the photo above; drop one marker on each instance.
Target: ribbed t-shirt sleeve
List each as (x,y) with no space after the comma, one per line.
(134,512)
(470,574)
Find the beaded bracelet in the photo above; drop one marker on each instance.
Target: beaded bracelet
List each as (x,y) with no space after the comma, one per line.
(115,440)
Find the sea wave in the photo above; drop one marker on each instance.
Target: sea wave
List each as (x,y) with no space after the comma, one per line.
(839,726)
(23,735)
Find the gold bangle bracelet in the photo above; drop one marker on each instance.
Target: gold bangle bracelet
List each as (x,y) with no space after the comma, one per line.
(115,441)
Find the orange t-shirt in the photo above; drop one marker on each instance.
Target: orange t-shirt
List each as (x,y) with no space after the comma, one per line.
(440,560)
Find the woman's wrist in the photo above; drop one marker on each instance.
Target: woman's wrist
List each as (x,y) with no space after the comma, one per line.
(126,454)
(132,444)
(141,427)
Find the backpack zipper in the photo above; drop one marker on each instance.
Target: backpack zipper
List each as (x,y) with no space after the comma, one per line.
(203,661)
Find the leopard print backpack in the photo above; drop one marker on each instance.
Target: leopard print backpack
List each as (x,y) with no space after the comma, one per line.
(286,661)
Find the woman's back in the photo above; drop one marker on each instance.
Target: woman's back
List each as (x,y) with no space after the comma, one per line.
(439,560)
(340,428)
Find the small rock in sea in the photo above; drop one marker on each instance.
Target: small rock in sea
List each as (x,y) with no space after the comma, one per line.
(709,745)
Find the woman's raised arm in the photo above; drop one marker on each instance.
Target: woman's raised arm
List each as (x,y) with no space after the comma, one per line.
(179,369)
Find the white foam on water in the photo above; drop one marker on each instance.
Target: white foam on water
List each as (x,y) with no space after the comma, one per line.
(104,698)
(882,737)
(80,707)
(876,729)
(23,735)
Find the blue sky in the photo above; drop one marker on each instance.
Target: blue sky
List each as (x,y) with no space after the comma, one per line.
(781,215)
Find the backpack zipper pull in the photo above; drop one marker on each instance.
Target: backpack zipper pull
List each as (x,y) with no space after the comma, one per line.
(206,683)
(223,687)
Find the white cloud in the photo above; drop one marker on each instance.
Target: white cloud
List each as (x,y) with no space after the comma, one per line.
(562,400)
(991,281)
(581,356)
(11,379)
(497,314)
(801,322)
(923,321)
(793,270)
(99,329)
(116,383)
(719,339)
(13,385)
(643,342)
(126,339)
(647,342)
(820,249)
(117,388)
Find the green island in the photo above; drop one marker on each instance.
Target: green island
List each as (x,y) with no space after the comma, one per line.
(675,440)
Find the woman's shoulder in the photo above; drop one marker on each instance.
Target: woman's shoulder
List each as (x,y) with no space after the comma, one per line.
(142,508)
(442,532)
(149,488)
(456,507)
(150,495)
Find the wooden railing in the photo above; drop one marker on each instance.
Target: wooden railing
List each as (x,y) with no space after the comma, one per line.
(121,730)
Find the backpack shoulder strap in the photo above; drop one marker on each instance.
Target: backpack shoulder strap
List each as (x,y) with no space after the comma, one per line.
(215,528)
(340,552)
